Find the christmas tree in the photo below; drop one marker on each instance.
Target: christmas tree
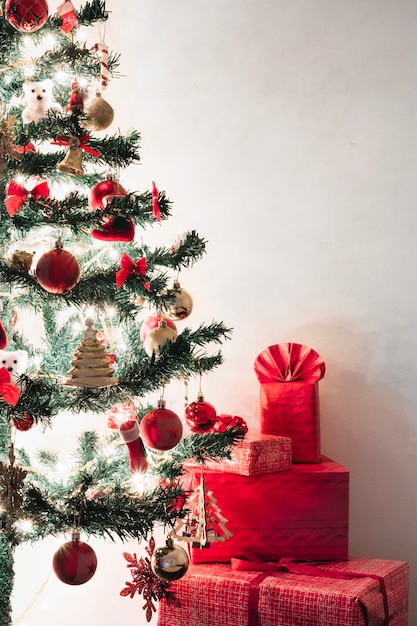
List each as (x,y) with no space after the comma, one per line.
(90,314)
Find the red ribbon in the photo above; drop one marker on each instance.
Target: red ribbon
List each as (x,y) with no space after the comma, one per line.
(81,143)
(8,392)
(250,562)
(128,267)
(155,205)
(17,195)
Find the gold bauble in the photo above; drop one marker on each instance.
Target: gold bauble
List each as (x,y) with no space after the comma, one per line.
(99,112)
(183,304)
(170,562)
(158,337)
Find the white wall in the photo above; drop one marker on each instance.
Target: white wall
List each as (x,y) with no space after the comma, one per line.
(285,133)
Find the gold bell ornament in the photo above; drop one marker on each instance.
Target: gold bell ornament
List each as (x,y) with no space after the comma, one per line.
(72,163)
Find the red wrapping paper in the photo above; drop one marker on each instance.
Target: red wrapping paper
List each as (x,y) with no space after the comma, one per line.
(289,398)
(303,512)
(256,454)
(216,595)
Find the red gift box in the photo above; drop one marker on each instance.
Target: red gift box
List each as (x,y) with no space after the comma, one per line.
(302,512)
(289,402)
(292,410)
(217,595)
(256,454)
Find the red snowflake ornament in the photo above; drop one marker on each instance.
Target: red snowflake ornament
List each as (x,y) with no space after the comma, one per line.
(147,583)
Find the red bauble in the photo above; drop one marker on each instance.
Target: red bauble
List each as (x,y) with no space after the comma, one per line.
(152,322)
(75,562)
(161,429)
(57,271)
(25,422)
(104,192)
(26,16)
(200,416)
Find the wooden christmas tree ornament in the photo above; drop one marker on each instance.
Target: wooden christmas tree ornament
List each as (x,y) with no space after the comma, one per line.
(92,366)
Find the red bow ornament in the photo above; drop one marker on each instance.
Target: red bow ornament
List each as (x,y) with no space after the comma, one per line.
(8,392)
(17,195)
(76,142)
(127,267)
(155,205)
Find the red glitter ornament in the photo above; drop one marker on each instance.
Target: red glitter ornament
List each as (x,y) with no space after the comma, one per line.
(26,16)
(23,423)
(75,562)
(200,416)
(57,271)
(161,429)
(147,583)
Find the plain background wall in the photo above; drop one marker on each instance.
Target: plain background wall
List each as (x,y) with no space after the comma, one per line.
(285,134)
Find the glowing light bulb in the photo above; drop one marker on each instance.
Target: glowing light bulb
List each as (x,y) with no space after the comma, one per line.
(82,34)
(90,312)
(29,72)
(25,525)
(61,77)
(110,312)
(37,360)
(113,254)
(83,82)
(50,40)
(64,315)
(63,471)
(143,482)
(108,452)
(77,328)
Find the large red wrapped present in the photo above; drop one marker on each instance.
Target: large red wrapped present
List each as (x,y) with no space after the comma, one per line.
(289,402)
(302,512)
(256,454)
(217,595)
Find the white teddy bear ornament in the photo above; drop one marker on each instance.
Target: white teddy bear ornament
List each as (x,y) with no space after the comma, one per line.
(15,362)
(39,100)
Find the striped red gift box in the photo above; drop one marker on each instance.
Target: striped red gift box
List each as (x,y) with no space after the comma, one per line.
(217,595)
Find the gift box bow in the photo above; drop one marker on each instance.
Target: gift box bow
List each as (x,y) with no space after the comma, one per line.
(289,362)
(250,562)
